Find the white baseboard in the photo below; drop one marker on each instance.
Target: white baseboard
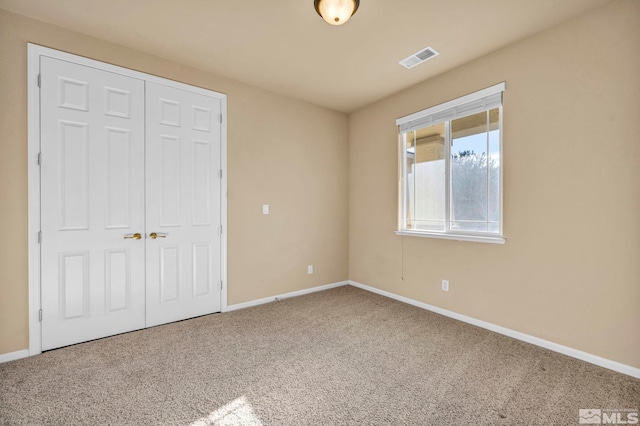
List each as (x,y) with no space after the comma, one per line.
(565,350)
(12,356)
(284,296)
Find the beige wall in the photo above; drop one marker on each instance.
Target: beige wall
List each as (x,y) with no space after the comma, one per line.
(570,270)
(287,153)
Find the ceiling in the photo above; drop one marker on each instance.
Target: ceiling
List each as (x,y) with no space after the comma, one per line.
(285,47)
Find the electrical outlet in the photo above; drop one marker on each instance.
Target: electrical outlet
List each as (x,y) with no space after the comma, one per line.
(445,285)
(310,269)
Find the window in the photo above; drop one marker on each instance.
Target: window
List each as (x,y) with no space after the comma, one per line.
(451,169)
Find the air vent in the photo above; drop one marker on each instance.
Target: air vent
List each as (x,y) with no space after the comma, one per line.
(420,57)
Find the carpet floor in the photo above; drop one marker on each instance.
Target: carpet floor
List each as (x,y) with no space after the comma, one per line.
(338,357)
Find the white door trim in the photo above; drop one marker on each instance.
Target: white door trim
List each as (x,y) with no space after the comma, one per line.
(35,52)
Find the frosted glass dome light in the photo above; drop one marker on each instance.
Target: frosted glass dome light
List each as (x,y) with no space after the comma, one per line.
(336,12)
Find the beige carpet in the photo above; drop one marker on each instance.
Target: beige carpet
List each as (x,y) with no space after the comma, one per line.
(343,356)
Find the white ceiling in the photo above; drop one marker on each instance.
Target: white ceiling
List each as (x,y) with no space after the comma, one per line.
(284,46)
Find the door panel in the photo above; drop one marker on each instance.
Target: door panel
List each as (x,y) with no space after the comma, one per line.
(74,175)
(118,179)
(117,282)
(169,181)
(74,285)
(92,195)
(183,204)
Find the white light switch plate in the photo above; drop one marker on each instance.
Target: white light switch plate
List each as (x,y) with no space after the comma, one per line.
(265,209)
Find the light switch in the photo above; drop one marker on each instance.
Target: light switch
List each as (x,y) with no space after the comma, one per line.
(265,209)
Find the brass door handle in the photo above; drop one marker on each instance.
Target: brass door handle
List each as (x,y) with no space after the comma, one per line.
(135,236)
(153,236)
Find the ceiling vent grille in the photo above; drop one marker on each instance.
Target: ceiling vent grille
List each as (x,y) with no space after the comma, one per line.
(420,57)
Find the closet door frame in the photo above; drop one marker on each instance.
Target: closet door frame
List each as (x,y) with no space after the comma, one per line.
(35,53)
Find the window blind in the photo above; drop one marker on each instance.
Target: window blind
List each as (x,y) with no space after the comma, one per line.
(472,103)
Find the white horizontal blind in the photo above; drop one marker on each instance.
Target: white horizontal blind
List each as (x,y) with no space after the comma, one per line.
(473,103)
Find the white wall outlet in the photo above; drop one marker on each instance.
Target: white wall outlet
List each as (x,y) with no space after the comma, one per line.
(445,285)
(310,269)
(265,209)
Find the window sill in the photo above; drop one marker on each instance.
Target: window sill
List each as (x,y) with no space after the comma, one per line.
(458,237)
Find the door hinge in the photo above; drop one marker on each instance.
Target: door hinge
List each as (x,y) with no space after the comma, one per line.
(39,237)
(39,81)
(220,118)
(39,159)
(220,229)
(40,315)
(220,173)
(220,285)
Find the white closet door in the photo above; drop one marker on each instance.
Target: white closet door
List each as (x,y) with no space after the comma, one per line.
(183,204)
(92,195)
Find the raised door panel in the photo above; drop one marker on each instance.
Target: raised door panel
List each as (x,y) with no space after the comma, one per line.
(118,177)
(169,175)
(201,183)
(118,280)
(73,287)
(202,269)
(73,179)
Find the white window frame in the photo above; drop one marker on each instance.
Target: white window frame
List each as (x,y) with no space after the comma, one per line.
(472,103)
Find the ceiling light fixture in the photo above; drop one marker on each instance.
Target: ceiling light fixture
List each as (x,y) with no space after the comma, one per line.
(336,12)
